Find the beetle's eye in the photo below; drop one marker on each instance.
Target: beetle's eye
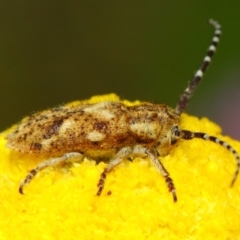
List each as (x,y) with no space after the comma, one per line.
(175,134)
(176,131)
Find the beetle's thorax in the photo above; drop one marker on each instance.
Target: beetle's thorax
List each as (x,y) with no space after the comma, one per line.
(152,124)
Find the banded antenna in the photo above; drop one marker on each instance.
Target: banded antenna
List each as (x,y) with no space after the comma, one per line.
(184,99)
(188,135)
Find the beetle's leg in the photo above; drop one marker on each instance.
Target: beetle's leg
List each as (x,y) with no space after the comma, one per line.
(47,163)
(140,150)
(118,158)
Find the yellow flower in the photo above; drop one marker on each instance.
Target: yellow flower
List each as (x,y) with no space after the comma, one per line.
(61,201)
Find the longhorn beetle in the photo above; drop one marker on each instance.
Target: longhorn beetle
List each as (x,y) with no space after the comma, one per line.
(111,129)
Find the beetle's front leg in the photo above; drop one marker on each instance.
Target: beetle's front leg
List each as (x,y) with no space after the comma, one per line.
(143,151)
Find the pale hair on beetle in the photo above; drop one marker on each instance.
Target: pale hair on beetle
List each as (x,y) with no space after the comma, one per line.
(113,130)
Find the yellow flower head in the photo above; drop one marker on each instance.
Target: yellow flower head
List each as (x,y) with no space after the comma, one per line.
(61,202)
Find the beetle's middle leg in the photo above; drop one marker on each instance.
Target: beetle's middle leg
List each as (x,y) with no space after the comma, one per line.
(118,158)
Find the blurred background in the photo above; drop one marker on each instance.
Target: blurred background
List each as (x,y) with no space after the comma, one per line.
(53,52)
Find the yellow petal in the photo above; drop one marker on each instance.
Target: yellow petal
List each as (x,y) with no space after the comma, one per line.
(61,201)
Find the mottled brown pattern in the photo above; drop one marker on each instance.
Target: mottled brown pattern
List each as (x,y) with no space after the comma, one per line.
(67,129)
(101,126)
(35,146)
(52,128)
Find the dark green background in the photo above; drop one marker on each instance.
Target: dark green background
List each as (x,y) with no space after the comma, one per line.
(52,52)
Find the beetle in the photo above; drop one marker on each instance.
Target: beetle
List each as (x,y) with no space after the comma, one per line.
(113,130)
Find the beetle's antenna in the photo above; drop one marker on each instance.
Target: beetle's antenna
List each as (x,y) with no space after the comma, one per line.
(188,135)
(184,99)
